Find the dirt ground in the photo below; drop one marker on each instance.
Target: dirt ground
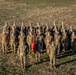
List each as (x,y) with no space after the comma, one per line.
(38,11)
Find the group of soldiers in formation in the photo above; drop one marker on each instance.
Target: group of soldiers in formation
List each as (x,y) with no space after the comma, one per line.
(35,39)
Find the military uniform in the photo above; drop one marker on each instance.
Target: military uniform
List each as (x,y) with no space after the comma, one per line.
(39,43)
(4,42)
(57,38)
(22,38)
(22,52)
(65,42)
(29,40)
(48,40)
(52,54)
(72,41)
(6,29)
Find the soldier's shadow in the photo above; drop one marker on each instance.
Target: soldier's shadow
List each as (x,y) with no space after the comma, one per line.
(69,61)
(58,57)
(70,53)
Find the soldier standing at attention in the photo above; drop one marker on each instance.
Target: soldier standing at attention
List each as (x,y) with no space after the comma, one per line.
(52,54)
(22,37)
(48,39)
(14,26)
(29,40)
(72,41)
(57,38)
(22,52)
(22,26)
(38,27)
(39,43)
(6,28)
(64,41)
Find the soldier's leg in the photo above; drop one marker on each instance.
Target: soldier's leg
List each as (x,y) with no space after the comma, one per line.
(3,48)
(51,62)
(39,57)
(14,48)
(74,46)
(36,56)
(21,63)
(63,47)
(54,60)
(47,49)
(58,49)
(24,61)
(30,49)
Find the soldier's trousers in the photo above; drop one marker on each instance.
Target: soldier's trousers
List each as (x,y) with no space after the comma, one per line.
(47,49)
(23,60)
(37,56)
(58,48)
(72,45)
(52,61)
(30,48)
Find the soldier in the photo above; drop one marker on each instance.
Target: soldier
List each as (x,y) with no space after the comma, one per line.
(57,39)
(41,37)
(39,47)
(52,54)
(48,39)
(13,41)
(23,29)
(4,41)
(22,52)
(22,37)
(6,29)
(72,41)
(14,26)
(71,29)
(38,28)
(29,40)
(47,29)
(62,28)
(64,41)
(16,30)
(31,29)
(22,26)
(55,28)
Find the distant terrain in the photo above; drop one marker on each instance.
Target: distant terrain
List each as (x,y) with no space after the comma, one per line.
(38,11)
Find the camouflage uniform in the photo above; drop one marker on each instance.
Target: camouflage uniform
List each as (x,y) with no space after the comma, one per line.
(46,33)
(22,52)
(6,29)
(38,28)
(22,38)
(52,54)
(57,38)
(4,41)
(64,42)
(48,40)
(72,41)
(29,40)
(39,48)
(23,28)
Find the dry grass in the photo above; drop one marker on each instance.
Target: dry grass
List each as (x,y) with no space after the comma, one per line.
(42,11)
